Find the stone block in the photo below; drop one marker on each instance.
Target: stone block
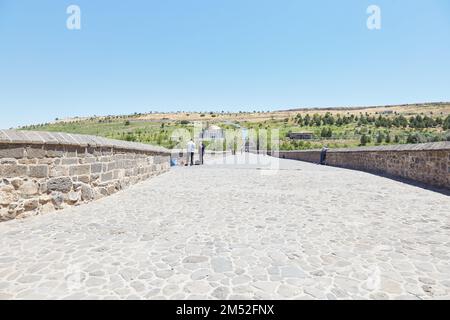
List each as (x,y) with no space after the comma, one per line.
(4,214)
(107,151)
(110,166)
(29,188)
(96,152)
(102,191)
(111,189)
(157,159)
(12,152)
(119,156)
(48,161)
(71,151)
(8,161)
(59,171)
(7,188)
(82,169)
(73,197)
(108,176)
(89,160)
(43,187)
(27,161)
(69,161)
(63,184)
(13,170)
(15,208)
(96,167)
(6,198)
(118,174)
(48,207)
(87,193)
(55,152)
(84,179)
(37,152)
(45,199)
(38,171)
(95,177)
(31,204)
(89,152)
(120,164)
(16,182)
(57,199)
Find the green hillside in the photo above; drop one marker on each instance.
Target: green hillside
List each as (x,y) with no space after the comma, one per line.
(333,129)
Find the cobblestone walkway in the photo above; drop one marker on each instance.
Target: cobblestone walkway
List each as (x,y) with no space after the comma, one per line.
(236,231)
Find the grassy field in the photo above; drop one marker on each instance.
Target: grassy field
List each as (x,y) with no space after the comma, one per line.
(334,127)
(130,130)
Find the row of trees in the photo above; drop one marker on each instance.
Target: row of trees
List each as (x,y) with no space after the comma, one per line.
(399,121)
(415,137)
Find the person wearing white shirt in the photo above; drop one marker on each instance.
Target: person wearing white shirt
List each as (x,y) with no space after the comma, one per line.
(191,150)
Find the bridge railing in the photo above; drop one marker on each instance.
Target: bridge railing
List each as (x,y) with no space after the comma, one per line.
(427,163)
(46,171)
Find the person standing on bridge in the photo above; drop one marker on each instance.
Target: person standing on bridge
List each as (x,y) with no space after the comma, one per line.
(190,151)
(202,152)
(323,155)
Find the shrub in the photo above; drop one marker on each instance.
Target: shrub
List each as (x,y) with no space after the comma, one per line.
(130,137)
(446,124)
(416,138)
(380,137)
(364,140)
(326,132)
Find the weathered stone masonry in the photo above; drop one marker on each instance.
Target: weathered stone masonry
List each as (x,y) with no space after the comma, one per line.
(428,163)
(42,171)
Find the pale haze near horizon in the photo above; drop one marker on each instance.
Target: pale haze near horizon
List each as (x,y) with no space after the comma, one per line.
(230,55)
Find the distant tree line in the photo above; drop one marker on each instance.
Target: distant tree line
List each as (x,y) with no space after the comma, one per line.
(398,121)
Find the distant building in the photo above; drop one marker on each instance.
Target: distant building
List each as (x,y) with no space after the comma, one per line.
(212,133)
(300,135)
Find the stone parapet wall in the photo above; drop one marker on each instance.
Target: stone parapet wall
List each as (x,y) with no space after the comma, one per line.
(427,163)
(42,171)
(307,155)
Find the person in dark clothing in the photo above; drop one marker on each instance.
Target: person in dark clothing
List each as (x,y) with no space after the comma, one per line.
(323,155)
(202,146)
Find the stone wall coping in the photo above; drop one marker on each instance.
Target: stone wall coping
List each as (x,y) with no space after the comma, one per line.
(287,151)
(69,139)
(296,151)
(443,145)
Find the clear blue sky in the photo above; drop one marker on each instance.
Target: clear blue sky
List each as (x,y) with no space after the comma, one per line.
(168,55)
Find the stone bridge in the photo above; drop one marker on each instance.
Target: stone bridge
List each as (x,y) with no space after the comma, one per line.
(253,227)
